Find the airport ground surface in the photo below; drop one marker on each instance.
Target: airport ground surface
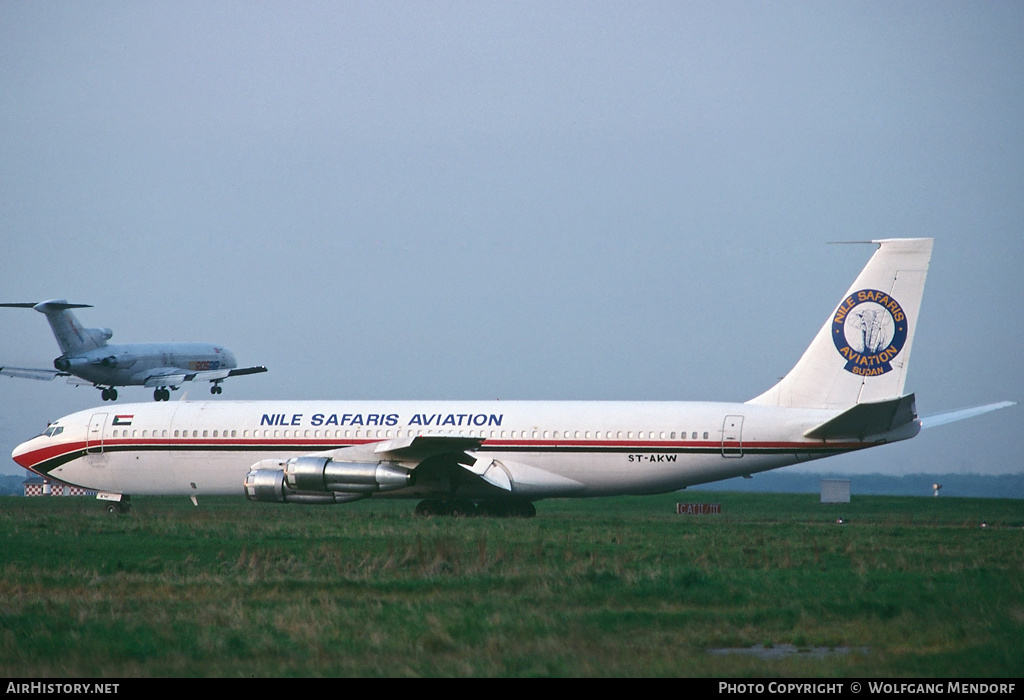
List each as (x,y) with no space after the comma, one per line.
(773,585)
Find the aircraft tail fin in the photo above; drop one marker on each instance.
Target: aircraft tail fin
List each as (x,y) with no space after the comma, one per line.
(862,352)
(71,336)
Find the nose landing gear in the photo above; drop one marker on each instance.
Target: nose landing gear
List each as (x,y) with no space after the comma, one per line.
(109,394)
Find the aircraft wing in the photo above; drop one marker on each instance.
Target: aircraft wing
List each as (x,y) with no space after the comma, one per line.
(28,373)
(163,376)
(422,447)
(351,473)
(455,452)
(411,451)
(78,381)
(431,452)
(173,376)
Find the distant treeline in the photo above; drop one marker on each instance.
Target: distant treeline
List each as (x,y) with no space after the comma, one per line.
(963,485)
(12,485)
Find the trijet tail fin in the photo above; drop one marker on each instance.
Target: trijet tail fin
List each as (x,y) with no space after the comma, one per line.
(71,336)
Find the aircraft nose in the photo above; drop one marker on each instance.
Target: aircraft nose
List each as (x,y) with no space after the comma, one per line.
(22,454)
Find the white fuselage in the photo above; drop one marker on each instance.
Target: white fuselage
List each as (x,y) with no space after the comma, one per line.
(132,364)
(549,449)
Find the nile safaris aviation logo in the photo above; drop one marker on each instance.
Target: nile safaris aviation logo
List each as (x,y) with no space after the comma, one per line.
(869,330)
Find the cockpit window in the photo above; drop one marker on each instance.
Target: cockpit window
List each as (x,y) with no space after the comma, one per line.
(54,430)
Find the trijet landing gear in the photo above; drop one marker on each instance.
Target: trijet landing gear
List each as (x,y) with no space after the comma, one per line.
(216,388)
(162,394)
(109,394)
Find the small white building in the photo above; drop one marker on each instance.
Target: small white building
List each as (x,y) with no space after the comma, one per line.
(835,490)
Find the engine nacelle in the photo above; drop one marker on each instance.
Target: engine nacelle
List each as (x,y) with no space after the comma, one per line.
(321,480)
(124,360)
(67,364)
(326,474)
(267,486)
(100,335)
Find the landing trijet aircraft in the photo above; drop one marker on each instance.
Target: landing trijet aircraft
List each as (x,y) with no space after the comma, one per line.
(498,457)
(88,360)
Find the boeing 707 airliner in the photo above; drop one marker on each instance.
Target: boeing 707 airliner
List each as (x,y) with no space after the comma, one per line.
(498,457)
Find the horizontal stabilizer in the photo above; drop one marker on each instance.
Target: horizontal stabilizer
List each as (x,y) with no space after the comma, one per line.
(867,419)
(963,413)
(45,306)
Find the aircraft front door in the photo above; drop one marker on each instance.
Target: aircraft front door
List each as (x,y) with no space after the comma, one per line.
(732,436)
(94,438)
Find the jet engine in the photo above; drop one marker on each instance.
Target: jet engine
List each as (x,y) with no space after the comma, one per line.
(321,480)
(67,364)
(124,360)
(100,335)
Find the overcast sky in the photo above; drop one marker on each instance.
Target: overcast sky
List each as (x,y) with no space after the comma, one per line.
(517,200)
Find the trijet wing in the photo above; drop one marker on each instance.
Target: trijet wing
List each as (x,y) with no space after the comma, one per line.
(175,376)
(29,373)
(162,376)
(217,375)
(78,381)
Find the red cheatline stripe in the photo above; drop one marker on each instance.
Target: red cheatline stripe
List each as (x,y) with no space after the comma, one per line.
(48,453)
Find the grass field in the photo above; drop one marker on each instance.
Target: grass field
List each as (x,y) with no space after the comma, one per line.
(613,587)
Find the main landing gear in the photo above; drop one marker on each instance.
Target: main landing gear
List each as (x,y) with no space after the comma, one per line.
(109,394)
(458,508)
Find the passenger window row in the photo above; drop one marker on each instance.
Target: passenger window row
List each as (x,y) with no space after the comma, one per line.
(381,433)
